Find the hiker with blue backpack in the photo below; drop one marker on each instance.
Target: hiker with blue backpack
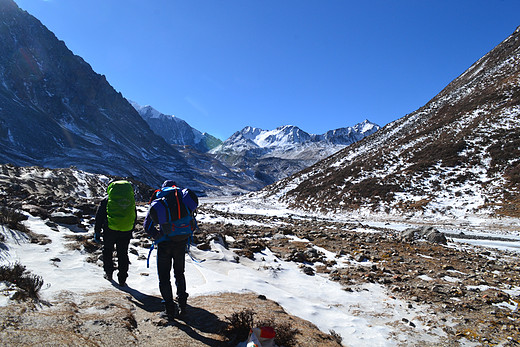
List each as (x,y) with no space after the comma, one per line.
(116,217)
(173,210)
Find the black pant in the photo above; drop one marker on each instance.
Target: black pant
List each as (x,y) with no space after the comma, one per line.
(121,240)
(168,253)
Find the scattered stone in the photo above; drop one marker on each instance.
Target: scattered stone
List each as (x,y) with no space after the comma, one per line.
(308,270)
(64,218)
(36,210)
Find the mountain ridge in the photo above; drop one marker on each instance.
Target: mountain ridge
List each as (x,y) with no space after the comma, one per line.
(270,155)
(287,135)
(175,130)
(76,118)
(459,152)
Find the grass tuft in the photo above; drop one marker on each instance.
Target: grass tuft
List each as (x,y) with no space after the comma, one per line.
(28,284)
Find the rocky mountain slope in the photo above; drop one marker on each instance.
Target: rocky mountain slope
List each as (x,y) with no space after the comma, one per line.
(459,153)
(271,155)
(176,131)
(55,111)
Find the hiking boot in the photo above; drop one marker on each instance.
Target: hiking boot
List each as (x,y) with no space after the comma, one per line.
(122,280)
(182,300)
(170,312)
(108,276)
(165,315)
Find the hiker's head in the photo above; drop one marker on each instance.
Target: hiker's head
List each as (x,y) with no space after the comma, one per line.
(168,183)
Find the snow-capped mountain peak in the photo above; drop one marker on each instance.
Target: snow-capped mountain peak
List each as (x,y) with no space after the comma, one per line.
(365,126)
(274,154)
(249,133)
(287,135)
(147,111)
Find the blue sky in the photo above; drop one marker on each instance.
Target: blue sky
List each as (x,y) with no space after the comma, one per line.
(222,65)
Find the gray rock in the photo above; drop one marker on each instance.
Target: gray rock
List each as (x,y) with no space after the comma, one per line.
(425,233)
(64,218)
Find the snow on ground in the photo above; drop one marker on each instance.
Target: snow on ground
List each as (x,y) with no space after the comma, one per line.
(368,316)
(466,223)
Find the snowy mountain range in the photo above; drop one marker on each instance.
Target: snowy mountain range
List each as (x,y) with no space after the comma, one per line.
(459,154)
(275,154)
(176,131)
(289,138)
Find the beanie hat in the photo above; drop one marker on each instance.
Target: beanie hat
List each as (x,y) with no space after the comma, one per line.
(168,183)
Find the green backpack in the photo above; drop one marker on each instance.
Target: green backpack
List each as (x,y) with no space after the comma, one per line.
(121,206)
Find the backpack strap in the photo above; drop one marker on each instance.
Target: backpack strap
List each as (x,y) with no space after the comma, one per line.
(166,208)
(178,203)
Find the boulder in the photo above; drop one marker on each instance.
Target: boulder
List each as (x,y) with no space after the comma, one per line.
(424,233)
(64,218)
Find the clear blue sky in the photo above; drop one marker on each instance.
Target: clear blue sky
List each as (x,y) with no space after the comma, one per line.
(318,64)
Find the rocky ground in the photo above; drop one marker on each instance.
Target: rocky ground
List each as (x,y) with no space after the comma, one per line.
(466,287)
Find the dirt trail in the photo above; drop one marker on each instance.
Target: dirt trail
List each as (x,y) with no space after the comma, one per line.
(130,318)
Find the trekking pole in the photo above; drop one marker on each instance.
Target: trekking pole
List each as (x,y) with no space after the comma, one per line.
(149,254)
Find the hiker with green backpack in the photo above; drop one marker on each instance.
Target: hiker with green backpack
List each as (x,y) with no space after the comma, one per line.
(172,209)
(116,217)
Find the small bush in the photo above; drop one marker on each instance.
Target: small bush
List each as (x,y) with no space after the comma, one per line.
(241,323)
(28,284)
(12,218)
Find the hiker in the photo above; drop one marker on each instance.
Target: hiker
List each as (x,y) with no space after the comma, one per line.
(173,210)
(116,217)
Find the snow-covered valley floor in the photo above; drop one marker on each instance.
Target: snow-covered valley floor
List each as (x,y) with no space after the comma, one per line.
(346,274)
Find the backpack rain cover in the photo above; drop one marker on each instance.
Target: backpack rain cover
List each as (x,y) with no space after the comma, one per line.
(121,206)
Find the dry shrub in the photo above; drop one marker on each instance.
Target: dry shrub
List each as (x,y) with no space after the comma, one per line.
(241,323)
(336,337)
(28,284)
(12,218)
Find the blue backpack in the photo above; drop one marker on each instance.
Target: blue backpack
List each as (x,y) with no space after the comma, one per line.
(174,211)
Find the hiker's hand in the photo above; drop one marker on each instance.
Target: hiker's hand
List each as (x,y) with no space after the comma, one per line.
(157,236)
(97,238)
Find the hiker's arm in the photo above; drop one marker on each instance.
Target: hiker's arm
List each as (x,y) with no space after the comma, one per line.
(135,219)
(101,217)
(149,225)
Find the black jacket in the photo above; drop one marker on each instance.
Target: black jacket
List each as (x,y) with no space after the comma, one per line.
(102,218)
